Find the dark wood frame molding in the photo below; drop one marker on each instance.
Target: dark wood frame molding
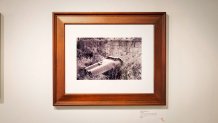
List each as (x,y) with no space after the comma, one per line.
(158,19)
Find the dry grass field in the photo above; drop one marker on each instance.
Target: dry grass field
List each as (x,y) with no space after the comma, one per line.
(92,50)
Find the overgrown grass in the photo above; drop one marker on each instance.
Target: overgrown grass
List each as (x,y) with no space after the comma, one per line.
(92,50)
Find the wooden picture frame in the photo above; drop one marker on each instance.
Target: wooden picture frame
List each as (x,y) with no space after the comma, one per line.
(60,98)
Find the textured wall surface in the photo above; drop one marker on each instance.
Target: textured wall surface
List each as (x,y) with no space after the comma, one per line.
(26,63)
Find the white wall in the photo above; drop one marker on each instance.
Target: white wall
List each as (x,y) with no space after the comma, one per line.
(26,46)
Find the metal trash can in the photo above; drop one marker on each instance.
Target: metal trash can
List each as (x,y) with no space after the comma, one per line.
(105,65)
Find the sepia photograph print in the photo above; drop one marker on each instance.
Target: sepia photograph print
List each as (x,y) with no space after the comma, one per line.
(109,58)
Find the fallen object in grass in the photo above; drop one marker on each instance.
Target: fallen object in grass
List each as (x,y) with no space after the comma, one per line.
(103,66)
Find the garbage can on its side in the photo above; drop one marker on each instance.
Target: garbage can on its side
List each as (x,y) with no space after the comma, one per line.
(103,66)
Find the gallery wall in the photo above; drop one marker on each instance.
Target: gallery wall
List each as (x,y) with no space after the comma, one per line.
(26,63)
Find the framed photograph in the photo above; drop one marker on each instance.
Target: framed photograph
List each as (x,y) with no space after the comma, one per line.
(109,59)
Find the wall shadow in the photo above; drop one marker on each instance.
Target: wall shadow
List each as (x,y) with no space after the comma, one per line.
(167,60)
(1,59)
(153,108)
(110,107)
